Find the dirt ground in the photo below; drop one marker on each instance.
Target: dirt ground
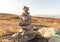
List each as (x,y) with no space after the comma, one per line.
(38,39)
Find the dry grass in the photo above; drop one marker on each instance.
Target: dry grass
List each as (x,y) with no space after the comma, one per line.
(8,22)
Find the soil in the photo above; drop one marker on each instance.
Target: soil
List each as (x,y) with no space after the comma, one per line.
(38,39)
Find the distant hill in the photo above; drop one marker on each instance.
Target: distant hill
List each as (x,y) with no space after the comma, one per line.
(7,16)
(51,16)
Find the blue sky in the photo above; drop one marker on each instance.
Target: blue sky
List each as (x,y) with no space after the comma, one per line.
(37,7)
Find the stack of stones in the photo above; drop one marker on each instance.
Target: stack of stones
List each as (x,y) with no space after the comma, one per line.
(26,9)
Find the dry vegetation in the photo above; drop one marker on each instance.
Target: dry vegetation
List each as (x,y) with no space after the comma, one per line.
(8,22)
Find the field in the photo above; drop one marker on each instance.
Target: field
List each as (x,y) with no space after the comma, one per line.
(8,23)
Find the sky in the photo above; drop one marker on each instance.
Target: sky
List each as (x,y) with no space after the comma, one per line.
(37,7)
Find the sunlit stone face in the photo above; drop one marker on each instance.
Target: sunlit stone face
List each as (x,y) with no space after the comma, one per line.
(47,32)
